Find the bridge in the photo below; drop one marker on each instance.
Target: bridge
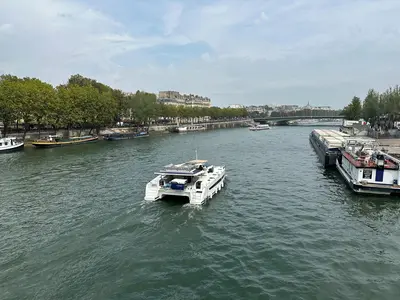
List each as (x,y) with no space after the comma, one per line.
(290,118)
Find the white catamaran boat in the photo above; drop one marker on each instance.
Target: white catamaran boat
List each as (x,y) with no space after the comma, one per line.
(196,180)
(259,127)
(368,170)
(10,144)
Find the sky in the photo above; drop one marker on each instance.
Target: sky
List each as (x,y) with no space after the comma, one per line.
(251,52)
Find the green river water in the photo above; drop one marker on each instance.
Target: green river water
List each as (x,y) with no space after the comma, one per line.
(74,225)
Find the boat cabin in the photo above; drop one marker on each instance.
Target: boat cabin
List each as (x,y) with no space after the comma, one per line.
(363,161)
(11,141)
(178,177)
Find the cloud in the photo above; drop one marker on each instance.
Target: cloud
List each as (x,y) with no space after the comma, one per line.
(251,52)
(171,17)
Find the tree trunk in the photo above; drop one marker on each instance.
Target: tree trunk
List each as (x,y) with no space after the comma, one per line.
(39,129)
(5,129)
(26,128)
(90,131)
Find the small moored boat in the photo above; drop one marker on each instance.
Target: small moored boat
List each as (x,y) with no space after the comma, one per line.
(197,180)
(191,128)
(327,145)
(259,127)
(10,144)
(52,141)
(116,136)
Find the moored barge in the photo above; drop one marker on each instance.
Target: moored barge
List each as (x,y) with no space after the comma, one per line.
(327,144)
(116,136)
(52,141)
(368,170)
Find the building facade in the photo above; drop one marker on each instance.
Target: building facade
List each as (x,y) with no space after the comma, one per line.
(176,98)
(236,106)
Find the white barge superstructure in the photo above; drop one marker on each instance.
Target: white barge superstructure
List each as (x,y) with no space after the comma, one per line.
(368,170)
(197,180)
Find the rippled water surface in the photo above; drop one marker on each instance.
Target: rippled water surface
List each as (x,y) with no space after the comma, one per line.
(74,225)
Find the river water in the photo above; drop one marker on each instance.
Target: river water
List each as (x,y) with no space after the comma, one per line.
(74,225)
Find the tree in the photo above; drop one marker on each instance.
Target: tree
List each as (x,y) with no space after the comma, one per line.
(10,98)
(371,109)
(143,106)
(353,111)
(38,97)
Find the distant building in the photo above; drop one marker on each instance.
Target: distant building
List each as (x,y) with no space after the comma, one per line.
(255,109)
(176,98)
(308,106)
(291,108)
(286,107)
(236,106)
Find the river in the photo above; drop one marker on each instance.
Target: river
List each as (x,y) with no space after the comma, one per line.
(74,225)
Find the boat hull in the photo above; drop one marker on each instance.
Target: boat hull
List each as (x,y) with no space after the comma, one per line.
(368,189)
(190,129)
(258,129)
(124,137)
(47,144)
(326,156)
(14,148)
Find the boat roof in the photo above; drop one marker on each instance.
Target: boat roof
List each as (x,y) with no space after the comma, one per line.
(189,168)
(196,161)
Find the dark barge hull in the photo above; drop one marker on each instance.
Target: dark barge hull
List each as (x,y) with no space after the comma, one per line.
(326,156)
(126,136)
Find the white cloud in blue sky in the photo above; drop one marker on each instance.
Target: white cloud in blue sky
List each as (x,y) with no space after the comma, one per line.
(234,51)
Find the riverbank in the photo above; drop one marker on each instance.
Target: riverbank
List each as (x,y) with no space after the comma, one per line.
(153,129)
(391,146)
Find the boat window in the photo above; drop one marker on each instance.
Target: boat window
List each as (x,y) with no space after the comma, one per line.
(5,143)
(198,185)
(1,144)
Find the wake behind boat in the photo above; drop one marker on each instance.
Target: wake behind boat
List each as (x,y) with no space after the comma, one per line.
(10,144)
(197,180)
(259,127)
(52,141)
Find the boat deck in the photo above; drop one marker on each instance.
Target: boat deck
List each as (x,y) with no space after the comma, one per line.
(370,164)
(332,139)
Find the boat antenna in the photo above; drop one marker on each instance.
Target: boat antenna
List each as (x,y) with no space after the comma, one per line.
(196,153)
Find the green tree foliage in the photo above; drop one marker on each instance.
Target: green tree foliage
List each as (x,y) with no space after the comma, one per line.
(371,109)
(86,103)
(353,111)
(376,106)
(11,95)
